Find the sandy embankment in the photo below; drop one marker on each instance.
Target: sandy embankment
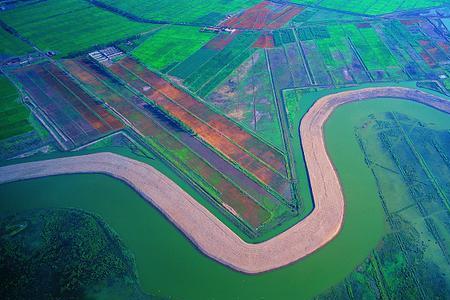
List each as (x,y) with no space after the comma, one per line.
(209,234)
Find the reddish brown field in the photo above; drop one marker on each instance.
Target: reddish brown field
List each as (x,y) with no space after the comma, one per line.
(221,41)
(264,162)
(428,59)
(247,208)
(264,41)
(265,15)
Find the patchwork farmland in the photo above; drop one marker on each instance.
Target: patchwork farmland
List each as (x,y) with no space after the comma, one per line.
(265,15)
(228,186)
(259,159)
(68,26)
(76,115)
(233,102)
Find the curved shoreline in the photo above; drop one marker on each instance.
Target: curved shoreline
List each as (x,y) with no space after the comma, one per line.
(207,232)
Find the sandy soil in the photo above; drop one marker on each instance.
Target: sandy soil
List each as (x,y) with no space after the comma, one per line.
(210,235)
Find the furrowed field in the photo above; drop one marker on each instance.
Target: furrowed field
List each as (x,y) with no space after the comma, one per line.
(195,11)
(68,26)
(170,46)
(13,115)
(77,115)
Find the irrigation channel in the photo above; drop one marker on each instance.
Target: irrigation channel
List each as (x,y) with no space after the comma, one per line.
(210,235)
(160,265)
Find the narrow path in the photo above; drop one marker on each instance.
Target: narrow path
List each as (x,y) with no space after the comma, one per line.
(210,235)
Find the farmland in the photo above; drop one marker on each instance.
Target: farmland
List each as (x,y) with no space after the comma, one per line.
(226,185)
(209,66)
(13,115)
(246,97)
(194,12)
(170,46)
(210,96)
(61,25)
(11,45)
(373,7)
(252,155)
(265,15)
(76,116)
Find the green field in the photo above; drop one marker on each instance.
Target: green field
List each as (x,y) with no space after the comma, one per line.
(246,96)
(170,46)
(372,7)
(209,66)
(68,26)
(195,11)
(13,115)
(10,45)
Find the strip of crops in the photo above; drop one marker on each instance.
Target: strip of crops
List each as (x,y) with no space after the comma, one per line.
(13,115)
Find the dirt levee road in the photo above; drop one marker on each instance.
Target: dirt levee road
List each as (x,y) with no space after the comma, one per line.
(206,231)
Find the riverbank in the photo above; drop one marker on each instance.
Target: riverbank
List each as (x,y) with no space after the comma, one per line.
(208,233)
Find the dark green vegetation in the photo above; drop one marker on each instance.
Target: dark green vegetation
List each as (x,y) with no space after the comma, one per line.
(11,45)
(409,160)
(20,132)
(68,26)
(63,253)
(14,117)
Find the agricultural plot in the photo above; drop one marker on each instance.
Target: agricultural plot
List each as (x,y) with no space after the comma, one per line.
(265,15)
(247,98)
(265,41)
(209,66)
(375,56)
(372,7)
(11,45)
(248,202)
(260,160)
(13,115)
(195,12)
(170,46)
(409,160)
(77,117)
(287,67)
(68,26)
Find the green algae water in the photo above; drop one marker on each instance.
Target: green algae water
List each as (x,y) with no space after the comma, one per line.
(169,265)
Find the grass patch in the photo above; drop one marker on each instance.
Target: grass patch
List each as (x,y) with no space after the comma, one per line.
(170,46)
(10,45)
(13,115)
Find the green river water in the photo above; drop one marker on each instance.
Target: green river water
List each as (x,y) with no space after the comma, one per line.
(169,265)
